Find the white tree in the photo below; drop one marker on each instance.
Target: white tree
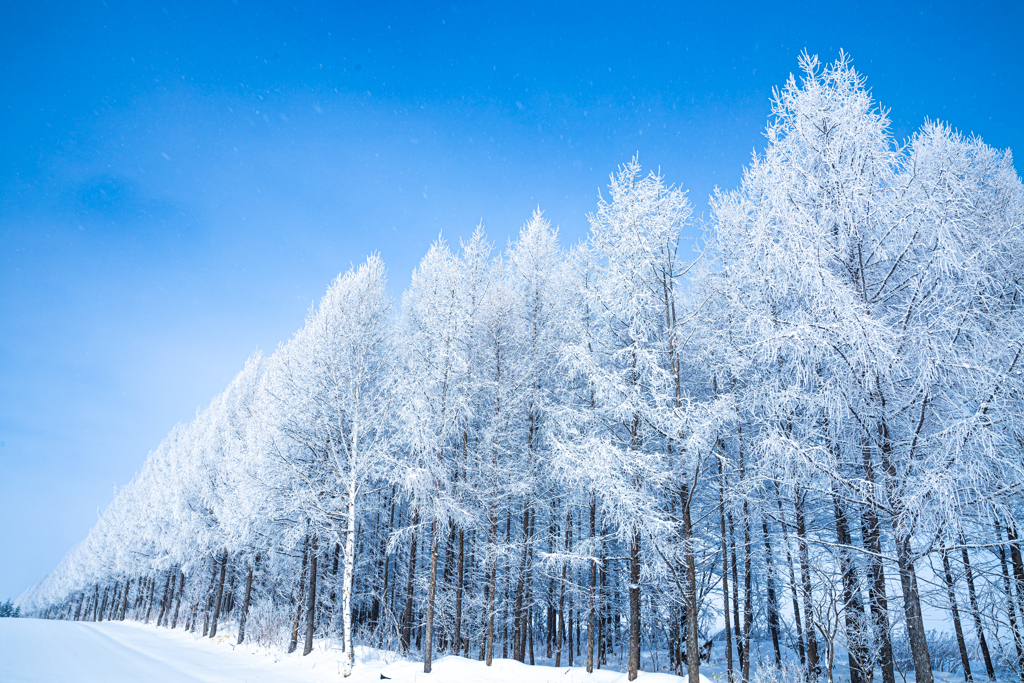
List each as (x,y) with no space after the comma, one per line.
(331,385)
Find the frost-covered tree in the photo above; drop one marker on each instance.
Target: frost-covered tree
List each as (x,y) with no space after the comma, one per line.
(330,388)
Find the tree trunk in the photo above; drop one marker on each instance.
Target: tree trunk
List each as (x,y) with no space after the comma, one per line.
(560,628)
(428,644)
(871,533)
(529,583)
(177,603)
(374,615)
(348,574)
(633,661)
(905,563)
(529,633)
(220,593)
(965,660)
(592,614)
(692,644)
(492,587)
(209,597)
(773,600)
(813,668)
(1011,606)
(748,616)
(164,600)
(293,643)
(1018,574)
(170,603)
(748,610)
(989,668)
(912,607)
(794,591)
(124,600)
(853,609)
(467,615)
(311,603)
(406,637)
(459,579)
(103,606)
(725,570)
(506,606)
(149,608)
(737,631)
(112,602)
(518,630)
(244,616)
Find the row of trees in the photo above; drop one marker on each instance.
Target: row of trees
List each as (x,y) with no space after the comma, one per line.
(8,609)
(802,439)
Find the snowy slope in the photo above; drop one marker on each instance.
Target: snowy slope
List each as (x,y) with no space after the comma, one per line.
(39,651)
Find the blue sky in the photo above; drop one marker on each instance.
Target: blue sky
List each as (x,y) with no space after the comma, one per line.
(179,181)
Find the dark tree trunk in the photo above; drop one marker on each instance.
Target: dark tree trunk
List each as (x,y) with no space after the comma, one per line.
(507,604)
(560,632)
(209,598)
(428,644)
(113,602)
(244,616)
(406,636)
(334,587)
(876,592)
(311,604)
(737,631)
(163,601)
(124,600)
(293,643)
(813,668)
(905,561)
(529,583)
(965,660)
(220,593)
(459,579)
(149,608)
(747,606)
(748,610)
(177,603)
(633,661)
(912,608)
(103,606)
(592,613)
(530,632)
(1011,606)
(170,601)
(725,571)
(492,585)
(692,645)
(518,630)
(976,613)
(773,600)
(1018,574)
(853,609)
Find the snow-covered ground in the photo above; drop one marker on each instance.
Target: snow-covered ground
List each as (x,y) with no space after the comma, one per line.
(39,651)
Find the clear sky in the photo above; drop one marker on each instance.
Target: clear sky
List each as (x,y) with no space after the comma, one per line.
(179,181)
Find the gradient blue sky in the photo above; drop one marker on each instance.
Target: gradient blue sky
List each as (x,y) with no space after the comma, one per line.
(179,181)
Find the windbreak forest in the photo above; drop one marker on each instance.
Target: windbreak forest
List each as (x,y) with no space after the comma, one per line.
(793,444)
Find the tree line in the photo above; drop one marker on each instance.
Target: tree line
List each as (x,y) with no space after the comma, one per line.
(796,438)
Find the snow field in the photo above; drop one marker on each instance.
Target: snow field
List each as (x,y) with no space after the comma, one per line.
(45,651)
